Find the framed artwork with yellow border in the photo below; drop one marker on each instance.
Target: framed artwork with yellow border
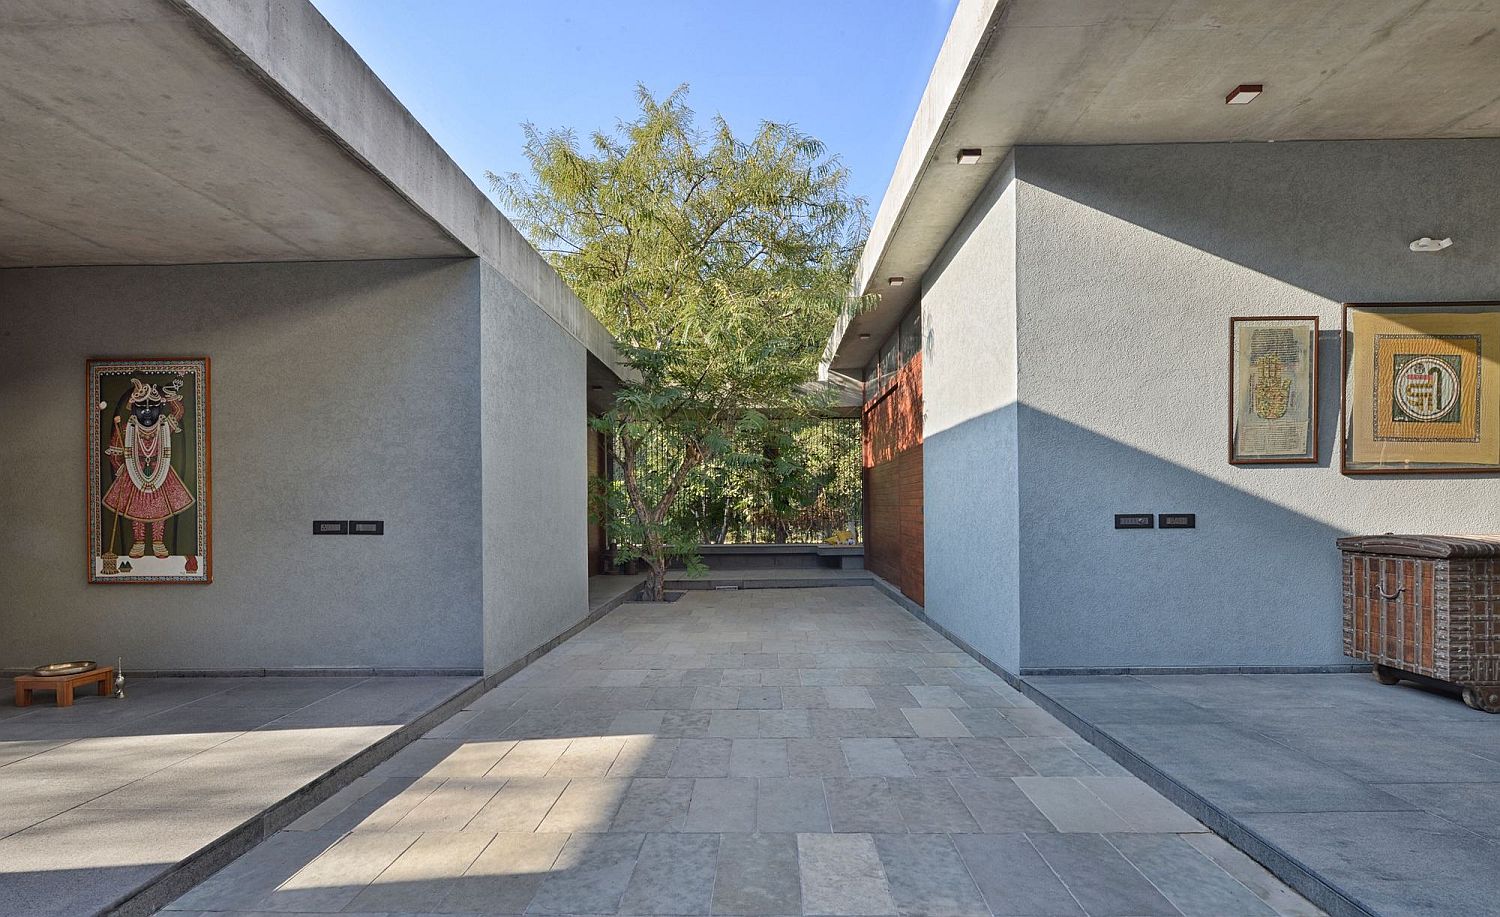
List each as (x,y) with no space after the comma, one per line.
(1421,388)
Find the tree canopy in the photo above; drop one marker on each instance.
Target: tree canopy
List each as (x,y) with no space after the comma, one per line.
(718,263)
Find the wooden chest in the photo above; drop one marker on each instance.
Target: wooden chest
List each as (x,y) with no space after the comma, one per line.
(1429,605)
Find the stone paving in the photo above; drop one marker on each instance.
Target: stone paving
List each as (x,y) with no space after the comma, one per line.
(1388,797)
(102,798)
(777,752)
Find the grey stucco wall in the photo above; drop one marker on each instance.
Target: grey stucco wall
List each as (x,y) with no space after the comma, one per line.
(534,427)
(1130,262)
(340,390)
(969,452)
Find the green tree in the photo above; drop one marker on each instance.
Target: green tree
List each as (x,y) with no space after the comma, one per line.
(718,263)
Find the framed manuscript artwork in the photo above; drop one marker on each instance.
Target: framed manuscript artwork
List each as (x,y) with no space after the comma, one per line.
(148,471)
(1273,390)
(1421,388)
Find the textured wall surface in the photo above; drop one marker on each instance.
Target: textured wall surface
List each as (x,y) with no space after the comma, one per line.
(340,390)
(534,422)
(970,453)
(1130,262)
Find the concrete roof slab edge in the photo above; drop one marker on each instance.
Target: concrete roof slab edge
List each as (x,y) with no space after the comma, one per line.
(289,46)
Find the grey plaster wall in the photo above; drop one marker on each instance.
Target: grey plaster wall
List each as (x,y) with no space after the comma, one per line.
(340,390)
(969,453)
(1129,264)
(534,428)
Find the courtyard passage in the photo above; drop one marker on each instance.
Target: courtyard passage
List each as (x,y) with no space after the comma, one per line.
(783,751)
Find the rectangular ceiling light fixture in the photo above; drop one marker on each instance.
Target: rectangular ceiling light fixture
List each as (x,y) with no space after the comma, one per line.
(967,157)
(896,281)
(1244,94)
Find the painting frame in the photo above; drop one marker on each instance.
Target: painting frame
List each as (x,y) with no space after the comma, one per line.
(149,471)
(1435,333)
(1307,383)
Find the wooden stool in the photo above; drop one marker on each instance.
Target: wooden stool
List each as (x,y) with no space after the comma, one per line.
(63,685)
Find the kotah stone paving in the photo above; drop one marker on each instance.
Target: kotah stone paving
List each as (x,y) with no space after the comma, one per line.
(776,752)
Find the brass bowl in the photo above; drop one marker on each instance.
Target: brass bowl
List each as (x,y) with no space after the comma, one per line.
(66,668)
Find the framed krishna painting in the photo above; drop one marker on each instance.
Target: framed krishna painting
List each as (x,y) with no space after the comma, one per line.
(1421,388)
(148,471)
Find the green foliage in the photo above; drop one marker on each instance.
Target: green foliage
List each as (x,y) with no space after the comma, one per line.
(719,264)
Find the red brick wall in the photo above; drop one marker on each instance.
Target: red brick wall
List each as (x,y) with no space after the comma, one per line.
(595,449)
(893,481)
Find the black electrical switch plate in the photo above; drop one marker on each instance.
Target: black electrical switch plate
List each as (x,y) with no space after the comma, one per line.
(376,527)
(330,527)
(1178,520)
(1134,521)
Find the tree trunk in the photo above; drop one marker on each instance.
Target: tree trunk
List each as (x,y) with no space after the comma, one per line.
(656,582)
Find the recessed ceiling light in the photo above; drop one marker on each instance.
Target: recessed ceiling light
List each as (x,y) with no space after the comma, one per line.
(896,281)
(967,157)
(864,335)
(1244,94)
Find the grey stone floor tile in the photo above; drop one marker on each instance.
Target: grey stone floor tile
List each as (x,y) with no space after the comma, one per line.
(1411,863)
(654,804)
(644,756)
(674,874)
(418,758)
(1013,878)
(1070,805)
(927,876)
(863,804)
(333,879)
(930,805)
(1037,723)
(875,758)
(999,806)
(757,874)
(711,698)
(760,699)
(722,804)
(842,874)
(746,678)
(936,723)
(816,758)
(451,806)
(993,758)
(848,696)
(519,805)
(394,809)
(734,723)
(934,758)
(423,875)
(249,881)
(1142,808)
(1253,876)
(529,758)
(590,875)
(1102,880)
(701,758)
(784,724)
(1194,884)
(1475,806)
(470,760)
(1050,757)
(685,724)
(1246,773)
(803,698)
(586,805)
(506,875)
(636,723)
(987,723)
(758,758)
(791,805)
(936,696)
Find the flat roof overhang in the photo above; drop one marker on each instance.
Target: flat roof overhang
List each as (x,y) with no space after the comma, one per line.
(1097,72)
(209,131)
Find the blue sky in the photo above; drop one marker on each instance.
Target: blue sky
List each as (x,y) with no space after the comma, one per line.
(849,72)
